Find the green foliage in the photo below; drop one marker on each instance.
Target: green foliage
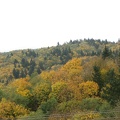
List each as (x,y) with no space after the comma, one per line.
(111,91)
(35,79)
(97,78)
(16,73)
(106,53)
(12,95)
(42,91)
(92,104)
(68,107)
(105,107)
(49,106)
(22,74)
(24,62)
(38,115)
(95,104)
(33,103)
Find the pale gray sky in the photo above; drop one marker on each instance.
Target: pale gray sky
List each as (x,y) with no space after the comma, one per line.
(41,23)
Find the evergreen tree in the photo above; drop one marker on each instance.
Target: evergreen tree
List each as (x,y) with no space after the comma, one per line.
(16,61)
(22,74)
(82,53)
(16,73)
(31,70)
(24,62)
(112,92)
(97,77)
(38,70)
(32,62)
(11,54)
(41,65)
(106,53)
(58,44)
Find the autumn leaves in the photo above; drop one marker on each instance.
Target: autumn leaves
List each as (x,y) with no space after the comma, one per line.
(67,89)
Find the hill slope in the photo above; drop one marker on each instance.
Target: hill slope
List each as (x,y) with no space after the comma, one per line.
(20,63)
(76,77)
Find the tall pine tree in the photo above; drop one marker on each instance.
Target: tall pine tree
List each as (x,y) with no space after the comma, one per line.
(97,77)
(106,53)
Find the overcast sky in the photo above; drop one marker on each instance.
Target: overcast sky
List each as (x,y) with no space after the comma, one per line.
(41,23)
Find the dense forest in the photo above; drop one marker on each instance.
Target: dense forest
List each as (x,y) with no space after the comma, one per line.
(71,79)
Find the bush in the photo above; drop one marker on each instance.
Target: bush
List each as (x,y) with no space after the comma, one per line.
(38,115)
(68,106)
(49,105)
(105,107)
(105,110)
(92,104)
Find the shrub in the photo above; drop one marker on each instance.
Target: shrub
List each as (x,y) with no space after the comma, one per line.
(49,105)
(68,106)
(91,104)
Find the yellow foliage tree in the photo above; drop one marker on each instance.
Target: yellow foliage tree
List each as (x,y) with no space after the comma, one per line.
(88,89)
(9,110)
(61,92)
(42,91)
(48,75)
(22,86)
(71,71)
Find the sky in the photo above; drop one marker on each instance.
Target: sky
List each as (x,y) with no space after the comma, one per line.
(41,23)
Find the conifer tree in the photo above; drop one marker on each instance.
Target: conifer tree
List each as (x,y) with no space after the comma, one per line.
(97,77)
(106,53)
(16,73)
(112,91)
(38,70)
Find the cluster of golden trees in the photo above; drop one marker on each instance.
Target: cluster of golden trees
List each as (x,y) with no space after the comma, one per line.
(63,90)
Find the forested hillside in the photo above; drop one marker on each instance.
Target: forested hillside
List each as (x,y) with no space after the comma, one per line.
(76,77)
